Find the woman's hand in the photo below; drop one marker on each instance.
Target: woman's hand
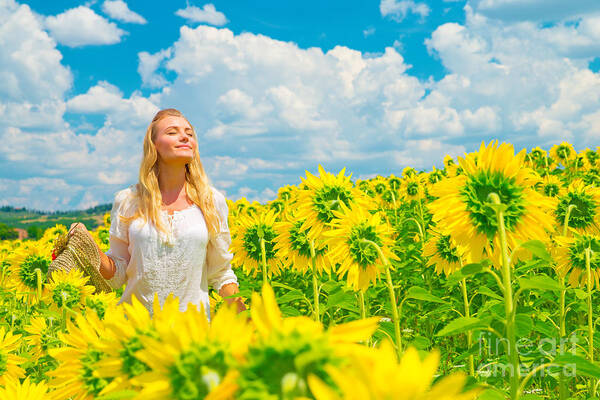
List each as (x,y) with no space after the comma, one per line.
(228,290)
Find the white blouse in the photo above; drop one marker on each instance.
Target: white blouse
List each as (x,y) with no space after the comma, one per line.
(183,262)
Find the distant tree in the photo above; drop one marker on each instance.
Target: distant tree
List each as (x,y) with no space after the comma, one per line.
(7,233)
(34,232)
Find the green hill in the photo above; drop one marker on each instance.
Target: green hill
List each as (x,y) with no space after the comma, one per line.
(35,222)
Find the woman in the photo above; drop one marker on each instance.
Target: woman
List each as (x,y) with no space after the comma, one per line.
(169,232)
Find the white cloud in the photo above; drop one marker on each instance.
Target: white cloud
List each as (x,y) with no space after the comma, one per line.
(369,32)
(207,14)
(118,9)
(32,78)
(81,26)
(398,9)
(107,99)
(148,64)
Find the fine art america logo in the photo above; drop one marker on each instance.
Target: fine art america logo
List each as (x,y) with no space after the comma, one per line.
(544,350)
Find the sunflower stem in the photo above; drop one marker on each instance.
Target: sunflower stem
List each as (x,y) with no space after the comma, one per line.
(390,285)
(361,303)
(395,207)
(592,389)
(469,332)
(363,310)
(509,307)
(264,260)
(314,280)
(38,274)
(562,381)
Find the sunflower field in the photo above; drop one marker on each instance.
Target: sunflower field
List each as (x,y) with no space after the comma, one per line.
(477,280)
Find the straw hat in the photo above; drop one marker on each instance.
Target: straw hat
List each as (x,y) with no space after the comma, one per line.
(79,251)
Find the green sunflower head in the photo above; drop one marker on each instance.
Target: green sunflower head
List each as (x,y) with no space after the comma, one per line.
(279,368)
(380,187)
(582,206)
(27,273)
(277,205)
(446,250)
(577,252)
(300,243)
(328,198)
(92,383)
(131,365)
(363,253)
(394,183)
(252,238)
(198,370)
(66,294)
(475,194)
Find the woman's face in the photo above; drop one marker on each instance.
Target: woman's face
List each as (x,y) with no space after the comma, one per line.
(175,142)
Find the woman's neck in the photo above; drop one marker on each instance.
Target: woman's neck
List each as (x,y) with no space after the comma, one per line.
(171,181)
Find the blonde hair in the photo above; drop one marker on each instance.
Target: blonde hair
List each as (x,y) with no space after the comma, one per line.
(197,183)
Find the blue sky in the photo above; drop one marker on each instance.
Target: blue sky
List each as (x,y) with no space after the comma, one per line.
(275,88)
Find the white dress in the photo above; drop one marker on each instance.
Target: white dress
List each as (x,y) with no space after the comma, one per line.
(183,262)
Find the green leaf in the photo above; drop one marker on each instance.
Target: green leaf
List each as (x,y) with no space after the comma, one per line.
(538,249)
(580,293)
(523,325)
(541,282)
(491,394)
(578,365)
(459,325)
(290,296)
(471,269)
(418,293)
(486,291)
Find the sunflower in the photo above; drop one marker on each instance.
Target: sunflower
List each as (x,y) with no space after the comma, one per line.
(563,153)
(68,289)
(16,390)
(189,358)
(462,209)
(537,159)
(23,276)
(324,195)
(101,237)
(434,176)
(366,187)
(293,248)
(413,188)
(41,337)
(75,375)
(375,374)
(444,254)
(51,234)
(450,167)
(245,243)
(287,193)
(9,360)
(586,202)
(359,259)
(394,182)
(287,350)
(570,256)
(550,186)
(408,172)
(101,302)
(238,207)
(379,184)
(125,327)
